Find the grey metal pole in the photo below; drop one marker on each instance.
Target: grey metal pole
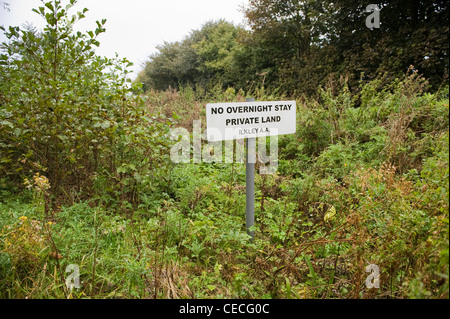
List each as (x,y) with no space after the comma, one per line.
(250,144)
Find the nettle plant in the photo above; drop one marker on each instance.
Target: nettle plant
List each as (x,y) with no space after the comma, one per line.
(70,114)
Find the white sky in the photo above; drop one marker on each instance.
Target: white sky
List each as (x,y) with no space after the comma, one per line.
(134,27)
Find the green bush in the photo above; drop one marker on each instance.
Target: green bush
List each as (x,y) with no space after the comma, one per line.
(71,115)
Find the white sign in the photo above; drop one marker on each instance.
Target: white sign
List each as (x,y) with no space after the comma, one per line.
(229,121)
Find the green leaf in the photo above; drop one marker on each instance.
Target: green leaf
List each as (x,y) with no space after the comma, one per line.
(50,6)
(312,273)
(137,176)
(105,125)
(18,131)
(63,138)
(8,123)
(288,288)
(330,214)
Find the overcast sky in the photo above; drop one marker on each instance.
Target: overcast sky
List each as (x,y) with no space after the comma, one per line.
(134,27)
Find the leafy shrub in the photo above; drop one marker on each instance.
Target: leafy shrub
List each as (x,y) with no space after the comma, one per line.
(71,115)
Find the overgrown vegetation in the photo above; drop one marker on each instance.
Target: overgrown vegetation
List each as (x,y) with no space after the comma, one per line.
(86,180)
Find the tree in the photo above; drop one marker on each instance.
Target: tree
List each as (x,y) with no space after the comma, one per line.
(289,33)
(411,33)
(175,64)
(305,42)
(215,50)
(44,75)
(295,46)
(205,56)
(69,114)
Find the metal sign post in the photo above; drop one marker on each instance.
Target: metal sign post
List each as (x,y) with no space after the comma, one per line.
(249,120)
(250,160)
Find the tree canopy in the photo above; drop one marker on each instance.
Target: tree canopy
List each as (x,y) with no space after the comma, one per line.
(295,45)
